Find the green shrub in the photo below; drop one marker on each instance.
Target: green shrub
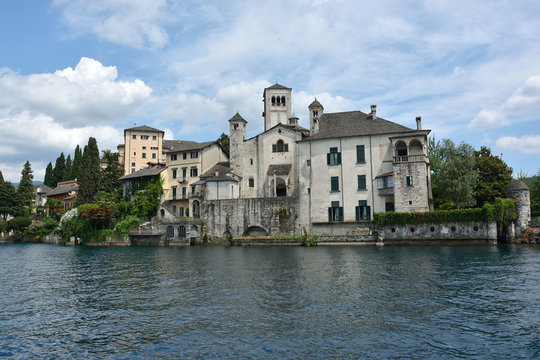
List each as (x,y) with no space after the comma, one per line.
(18,223)
(3,225)
(126,224)
(502,210)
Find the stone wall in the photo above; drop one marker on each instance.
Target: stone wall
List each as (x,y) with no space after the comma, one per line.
(461,232)
(238,217)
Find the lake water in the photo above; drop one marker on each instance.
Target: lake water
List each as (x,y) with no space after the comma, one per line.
(477,302)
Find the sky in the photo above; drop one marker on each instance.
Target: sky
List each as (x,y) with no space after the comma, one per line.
(71,69)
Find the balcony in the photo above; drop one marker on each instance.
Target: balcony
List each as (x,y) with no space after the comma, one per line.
(410,159)
(182,180)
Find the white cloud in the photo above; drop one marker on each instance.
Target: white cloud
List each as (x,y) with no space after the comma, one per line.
(522,105)
(527,144)
(89,93)
(134,23)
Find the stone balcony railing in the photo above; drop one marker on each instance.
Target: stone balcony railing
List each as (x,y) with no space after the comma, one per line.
(410,159)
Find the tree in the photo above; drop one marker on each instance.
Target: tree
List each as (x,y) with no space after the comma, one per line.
(26,185)
(90,173)
(110,176)
(493,176)
(58,170)
(454,177)
(49,176)
(535,194)
(224,141)
(67,170)
(147,201)
(10,203)
(1,178)
(77,163)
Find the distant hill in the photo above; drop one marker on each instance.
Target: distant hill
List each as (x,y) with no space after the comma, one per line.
(35,183)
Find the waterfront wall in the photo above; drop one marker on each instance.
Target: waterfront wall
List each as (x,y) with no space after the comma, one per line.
(473,231)
(256,216)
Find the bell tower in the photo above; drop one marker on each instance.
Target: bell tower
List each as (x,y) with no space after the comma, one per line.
(277,105)
(237,136)
(315,113)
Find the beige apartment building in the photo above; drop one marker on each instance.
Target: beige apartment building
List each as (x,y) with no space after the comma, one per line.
(142,145)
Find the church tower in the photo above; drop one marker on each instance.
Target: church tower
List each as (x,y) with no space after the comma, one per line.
(277,105)
(237,136)
(315,113)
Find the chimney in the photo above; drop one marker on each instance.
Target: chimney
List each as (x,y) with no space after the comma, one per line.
(373,112)
(418,123)
(217,172)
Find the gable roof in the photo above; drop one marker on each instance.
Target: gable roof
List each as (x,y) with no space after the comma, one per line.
(354,123)
(149,171)
(278,86)
(237,117)
(144,128)
(224,173)
(294,128)
(183,145)
(62,190)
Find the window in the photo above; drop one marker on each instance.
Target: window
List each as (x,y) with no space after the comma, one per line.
(280,146)
(309,190)
(251,161)
(363,211)
(134,137)
(181,211)
(360,155)
(144,155)
(154,137)
(174,157)
(154,148)
(174,174)
(174,193)
(132,164)
(194,154)
(184,192)
(283,100)
(192,189)
(334,183)
(144,147)
(361,182)
(184,174)
(184,156)
(153,155)
(193,172)
(251,182)
(174,209)
(144,137)
(134,153)
(182,229)
(273,100)
(333,157)
(132,171)
(308,162)
(409,181)
(335,212)
(385,182)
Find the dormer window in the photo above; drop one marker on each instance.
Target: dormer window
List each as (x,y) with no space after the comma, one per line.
(280,146)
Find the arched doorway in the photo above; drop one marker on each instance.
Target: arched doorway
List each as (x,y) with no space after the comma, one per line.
(162,213)
(255,231)
(170,232)
(182,231)
(401,148)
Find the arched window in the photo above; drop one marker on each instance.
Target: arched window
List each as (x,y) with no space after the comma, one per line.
(278,99)
(170,232)
(182,231)
(273,100)
(162,212)
(401,148)
(283,100)
(280,146)
(315,113)
(174,209)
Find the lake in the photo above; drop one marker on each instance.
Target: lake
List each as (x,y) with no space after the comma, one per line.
(437,302)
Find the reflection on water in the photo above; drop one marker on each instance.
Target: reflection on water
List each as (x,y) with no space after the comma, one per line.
(229,302)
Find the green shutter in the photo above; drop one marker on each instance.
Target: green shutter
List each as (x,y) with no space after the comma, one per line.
(368,212)
(338,158)
(328,159)
(360,154)
(361,182)
(340,213)
(329,214)
(357,212)
(334,183)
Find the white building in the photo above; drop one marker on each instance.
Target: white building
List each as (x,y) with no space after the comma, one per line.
(354,164)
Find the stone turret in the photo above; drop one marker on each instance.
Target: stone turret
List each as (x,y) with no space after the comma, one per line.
(277,105)
(315,113)
(519,191)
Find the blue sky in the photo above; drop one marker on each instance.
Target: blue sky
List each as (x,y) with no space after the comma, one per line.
(70,69)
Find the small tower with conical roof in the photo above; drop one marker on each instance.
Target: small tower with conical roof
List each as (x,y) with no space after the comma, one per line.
(518,190)
(315,114)
(277,105)
(237,136)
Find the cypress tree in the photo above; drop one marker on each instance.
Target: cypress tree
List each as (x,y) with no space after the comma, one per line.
(59,169)
(1,178)
(49,176)
(77,163)
(68,170)
(90,173)
(26,185)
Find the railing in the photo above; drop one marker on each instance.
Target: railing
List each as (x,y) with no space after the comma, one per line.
(410,158)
